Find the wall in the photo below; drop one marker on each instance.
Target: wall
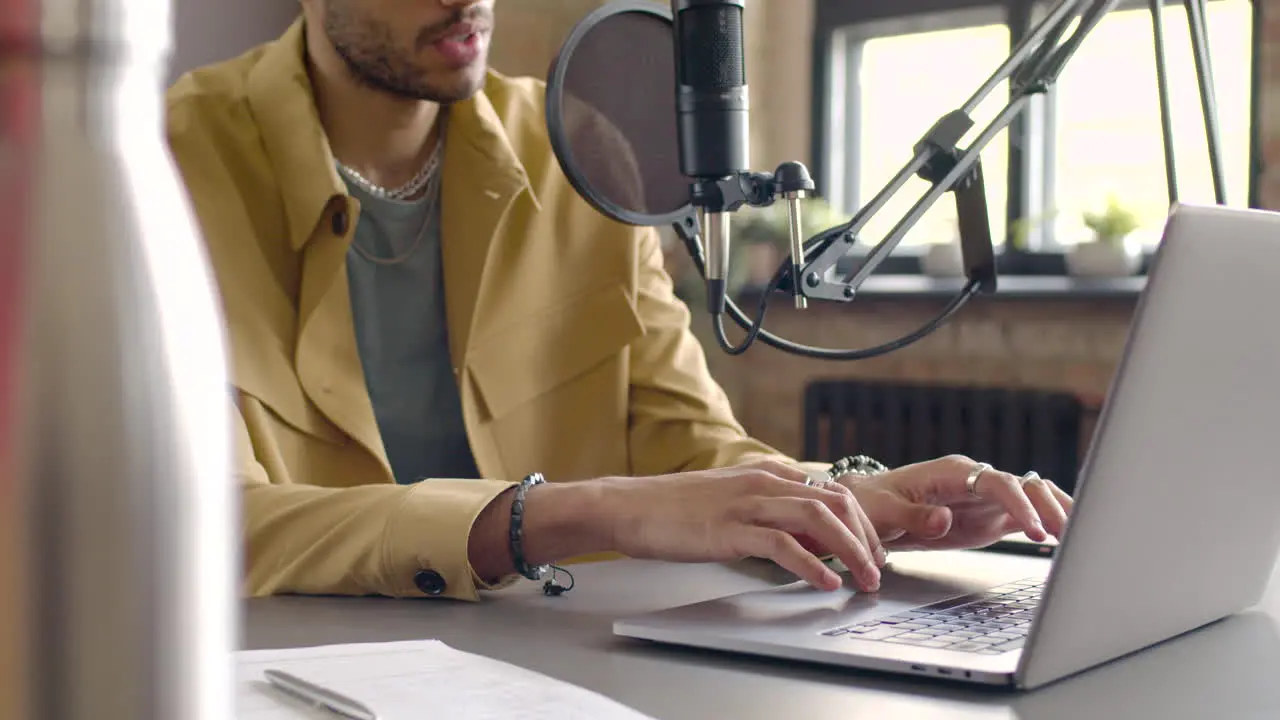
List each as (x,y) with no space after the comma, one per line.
(206,31)
(1269,110)
(529,34)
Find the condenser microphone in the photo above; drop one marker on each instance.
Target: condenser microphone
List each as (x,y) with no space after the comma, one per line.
(712,125)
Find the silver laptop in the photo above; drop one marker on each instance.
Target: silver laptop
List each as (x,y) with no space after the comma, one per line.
(1177,517)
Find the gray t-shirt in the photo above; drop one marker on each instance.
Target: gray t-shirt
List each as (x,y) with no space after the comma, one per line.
(403,342)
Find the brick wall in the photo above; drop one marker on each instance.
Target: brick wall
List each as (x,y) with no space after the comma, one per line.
(1066,344)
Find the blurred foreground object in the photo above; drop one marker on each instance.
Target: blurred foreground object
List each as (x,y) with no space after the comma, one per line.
(117,534)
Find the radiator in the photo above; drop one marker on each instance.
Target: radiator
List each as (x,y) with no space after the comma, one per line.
(898,424)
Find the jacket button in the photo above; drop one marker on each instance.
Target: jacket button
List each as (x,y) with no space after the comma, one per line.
(339,222)
(429,582)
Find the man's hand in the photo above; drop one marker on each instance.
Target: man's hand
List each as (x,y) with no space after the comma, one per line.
(927,506)
(761,510)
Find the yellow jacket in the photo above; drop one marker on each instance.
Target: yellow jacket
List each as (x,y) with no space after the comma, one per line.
(572,355)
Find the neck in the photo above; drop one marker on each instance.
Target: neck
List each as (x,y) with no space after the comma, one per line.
(385,138)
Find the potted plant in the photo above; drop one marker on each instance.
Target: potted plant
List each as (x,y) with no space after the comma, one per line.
(1108,254)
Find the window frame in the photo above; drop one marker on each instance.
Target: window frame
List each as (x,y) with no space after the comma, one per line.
(838,22)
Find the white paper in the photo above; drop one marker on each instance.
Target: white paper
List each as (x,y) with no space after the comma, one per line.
(414,680)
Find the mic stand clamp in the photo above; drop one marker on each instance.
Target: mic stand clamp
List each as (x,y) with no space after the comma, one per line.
(717,198)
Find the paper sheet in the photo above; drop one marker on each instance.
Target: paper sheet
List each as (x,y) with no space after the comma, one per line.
(416,679)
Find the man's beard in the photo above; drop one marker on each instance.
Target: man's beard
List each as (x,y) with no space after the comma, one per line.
(369,51)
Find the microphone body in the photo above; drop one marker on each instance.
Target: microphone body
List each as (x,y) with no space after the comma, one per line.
(713,127)
(711,88)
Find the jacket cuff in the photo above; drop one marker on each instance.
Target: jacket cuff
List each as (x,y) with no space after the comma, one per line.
(425,547)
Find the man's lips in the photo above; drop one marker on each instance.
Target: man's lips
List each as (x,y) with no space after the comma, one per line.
(460,31)
(462,45)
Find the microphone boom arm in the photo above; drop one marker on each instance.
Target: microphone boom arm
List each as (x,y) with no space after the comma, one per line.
(1031,69)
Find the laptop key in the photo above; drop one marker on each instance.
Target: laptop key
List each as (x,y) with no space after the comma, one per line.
(1011,645)
(987,640)
(967,647)
(879,634)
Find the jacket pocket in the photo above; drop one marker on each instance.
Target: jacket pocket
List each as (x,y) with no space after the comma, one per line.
(263,368)
(548,348)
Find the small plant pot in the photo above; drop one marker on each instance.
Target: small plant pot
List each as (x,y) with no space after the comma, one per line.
(1103,259)
(943,260)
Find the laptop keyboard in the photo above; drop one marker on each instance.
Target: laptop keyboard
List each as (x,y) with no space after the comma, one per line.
(990,622)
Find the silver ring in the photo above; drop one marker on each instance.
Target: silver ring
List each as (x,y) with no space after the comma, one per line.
(971,482)
(811,482)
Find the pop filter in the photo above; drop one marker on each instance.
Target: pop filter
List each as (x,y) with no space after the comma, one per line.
(611,115)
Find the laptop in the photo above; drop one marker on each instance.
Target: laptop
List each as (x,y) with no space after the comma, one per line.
(1177,516)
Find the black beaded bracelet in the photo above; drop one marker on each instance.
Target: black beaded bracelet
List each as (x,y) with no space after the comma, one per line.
(517,529)
(856,465)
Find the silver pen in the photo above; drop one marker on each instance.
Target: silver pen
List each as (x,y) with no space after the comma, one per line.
(317,696)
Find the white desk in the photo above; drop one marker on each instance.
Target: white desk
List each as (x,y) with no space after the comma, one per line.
(1227,671)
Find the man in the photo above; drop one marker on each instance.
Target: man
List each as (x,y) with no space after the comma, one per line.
(413,290)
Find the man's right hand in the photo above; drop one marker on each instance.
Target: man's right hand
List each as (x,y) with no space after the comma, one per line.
(757,510)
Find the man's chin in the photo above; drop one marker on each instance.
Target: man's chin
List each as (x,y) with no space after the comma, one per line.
(462,87)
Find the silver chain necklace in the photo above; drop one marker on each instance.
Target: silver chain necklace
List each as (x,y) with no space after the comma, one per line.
(407,190)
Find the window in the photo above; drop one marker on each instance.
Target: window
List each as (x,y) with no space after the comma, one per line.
(1107,140)
(895,68)
(906,83)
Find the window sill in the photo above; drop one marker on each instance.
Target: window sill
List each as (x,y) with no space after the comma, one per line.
(1009,287)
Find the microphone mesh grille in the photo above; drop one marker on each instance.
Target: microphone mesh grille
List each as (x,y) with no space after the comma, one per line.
(619,115)
(711,40)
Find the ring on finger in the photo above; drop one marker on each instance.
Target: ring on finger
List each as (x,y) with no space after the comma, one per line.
(971,482)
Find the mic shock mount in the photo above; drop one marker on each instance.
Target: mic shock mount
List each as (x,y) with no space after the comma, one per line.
(811,269)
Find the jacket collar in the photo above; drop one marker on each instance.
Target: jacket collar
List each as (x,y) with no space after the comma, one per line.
(282,100)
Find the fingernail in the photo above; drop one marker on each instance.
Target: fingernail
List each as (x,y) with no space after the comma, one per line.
(873,579)
(881,557)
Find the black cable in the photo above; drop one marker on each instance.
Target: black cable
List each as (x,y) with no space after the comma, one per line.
(551,588)
(755,328)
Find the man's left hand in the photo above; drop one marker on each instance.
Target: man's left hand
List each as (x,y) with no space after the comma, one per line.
(929,506)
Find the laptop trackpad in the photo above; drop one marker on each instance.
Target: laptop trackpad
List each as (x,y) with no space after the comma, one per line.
(910,580)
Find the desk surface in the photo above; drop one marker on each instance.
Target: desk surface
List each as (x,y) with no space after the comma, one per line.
(1227,670)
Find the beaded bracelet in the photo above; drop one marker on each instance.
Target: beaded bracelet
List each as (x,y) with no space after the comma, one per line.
(517,529)
(856,465)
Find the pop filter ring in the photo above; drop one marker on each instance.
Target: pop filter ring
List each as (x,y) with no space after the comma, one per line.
(683,217)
